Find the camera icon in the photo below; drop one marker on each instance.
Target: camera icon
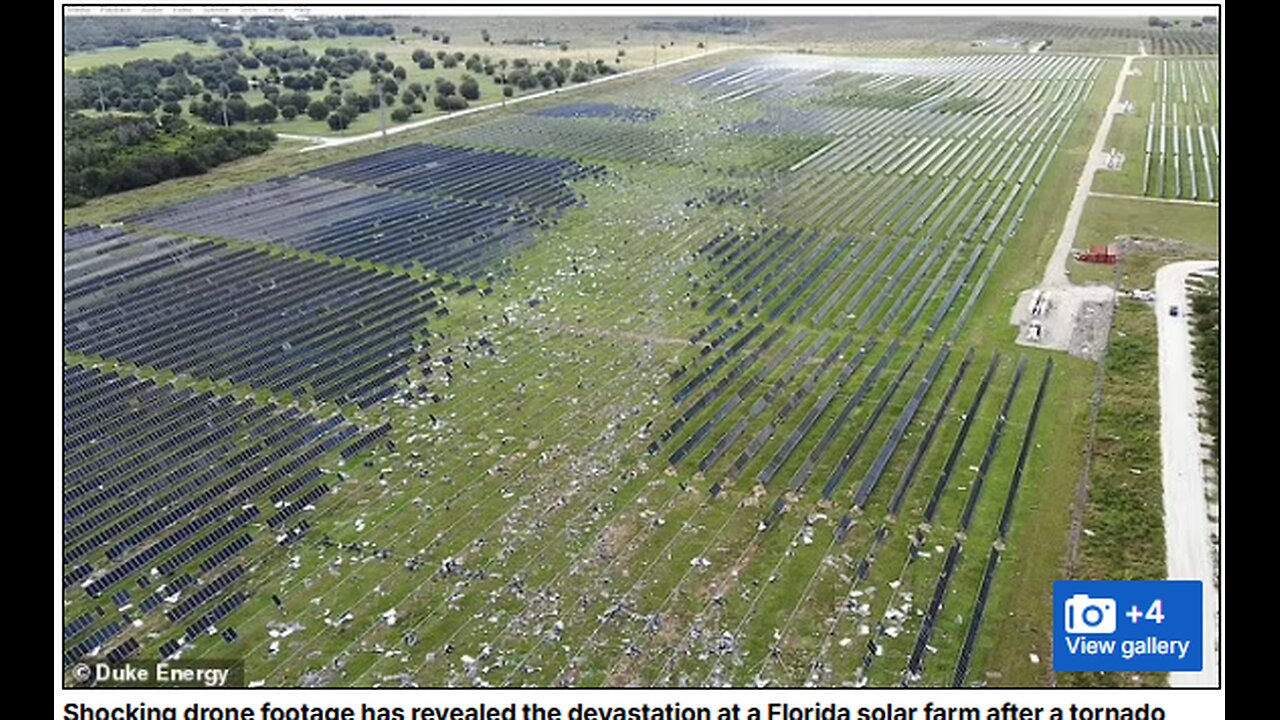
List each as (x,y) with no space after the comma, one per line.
(1090,615)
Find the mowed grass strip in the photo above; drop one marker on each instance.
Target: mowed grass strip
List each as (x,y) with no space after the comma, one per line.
(1186,232)
(1124,530)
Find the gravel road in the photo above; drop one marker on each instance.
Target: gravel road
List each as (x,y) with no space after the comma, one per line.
(1187,525)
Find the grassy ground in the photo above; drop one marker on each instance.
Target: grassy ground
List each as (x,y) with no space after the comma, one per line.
(1123,523)
(1193,230)
(1129,134)
(163,49)
(1124,538)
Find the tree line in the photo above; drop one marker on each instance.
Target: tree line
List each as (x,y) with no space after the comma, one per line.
(296,82)
(1206,350)
(110,154)
(83,33)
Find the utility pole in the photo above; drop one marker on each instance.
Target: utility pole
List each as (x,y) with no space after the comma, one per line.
(382,110)
(379,94)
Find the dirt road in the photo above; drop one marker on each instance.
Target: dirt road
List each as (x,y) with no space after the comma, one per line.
(1187,525)
(1055,273)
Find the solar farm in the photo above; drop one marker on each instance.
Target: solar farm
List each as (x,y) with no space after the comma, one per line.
(1181,151)
(696,379)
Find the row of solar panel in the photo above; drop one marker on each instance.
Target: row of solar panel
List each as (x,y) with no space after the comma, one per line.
(283,323)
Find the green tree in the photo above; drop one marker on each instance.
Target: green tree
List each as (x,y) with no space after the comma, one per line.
(450,102)
(469,88)
(173,124)
(264,113)
(237,110)
(318,110)
(338,121)
(299,100)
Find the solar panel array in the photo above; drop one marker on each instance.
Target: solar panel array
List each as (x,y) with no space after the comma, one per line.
(264,321)
(159,479)
(1178,40)
(606,111)
(445,209)
(492,178)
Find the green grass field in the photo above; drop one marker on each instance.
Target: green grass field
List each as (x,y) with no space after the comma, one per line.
(162,49)
(1123,531)
(1191,232)
(1129,133)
